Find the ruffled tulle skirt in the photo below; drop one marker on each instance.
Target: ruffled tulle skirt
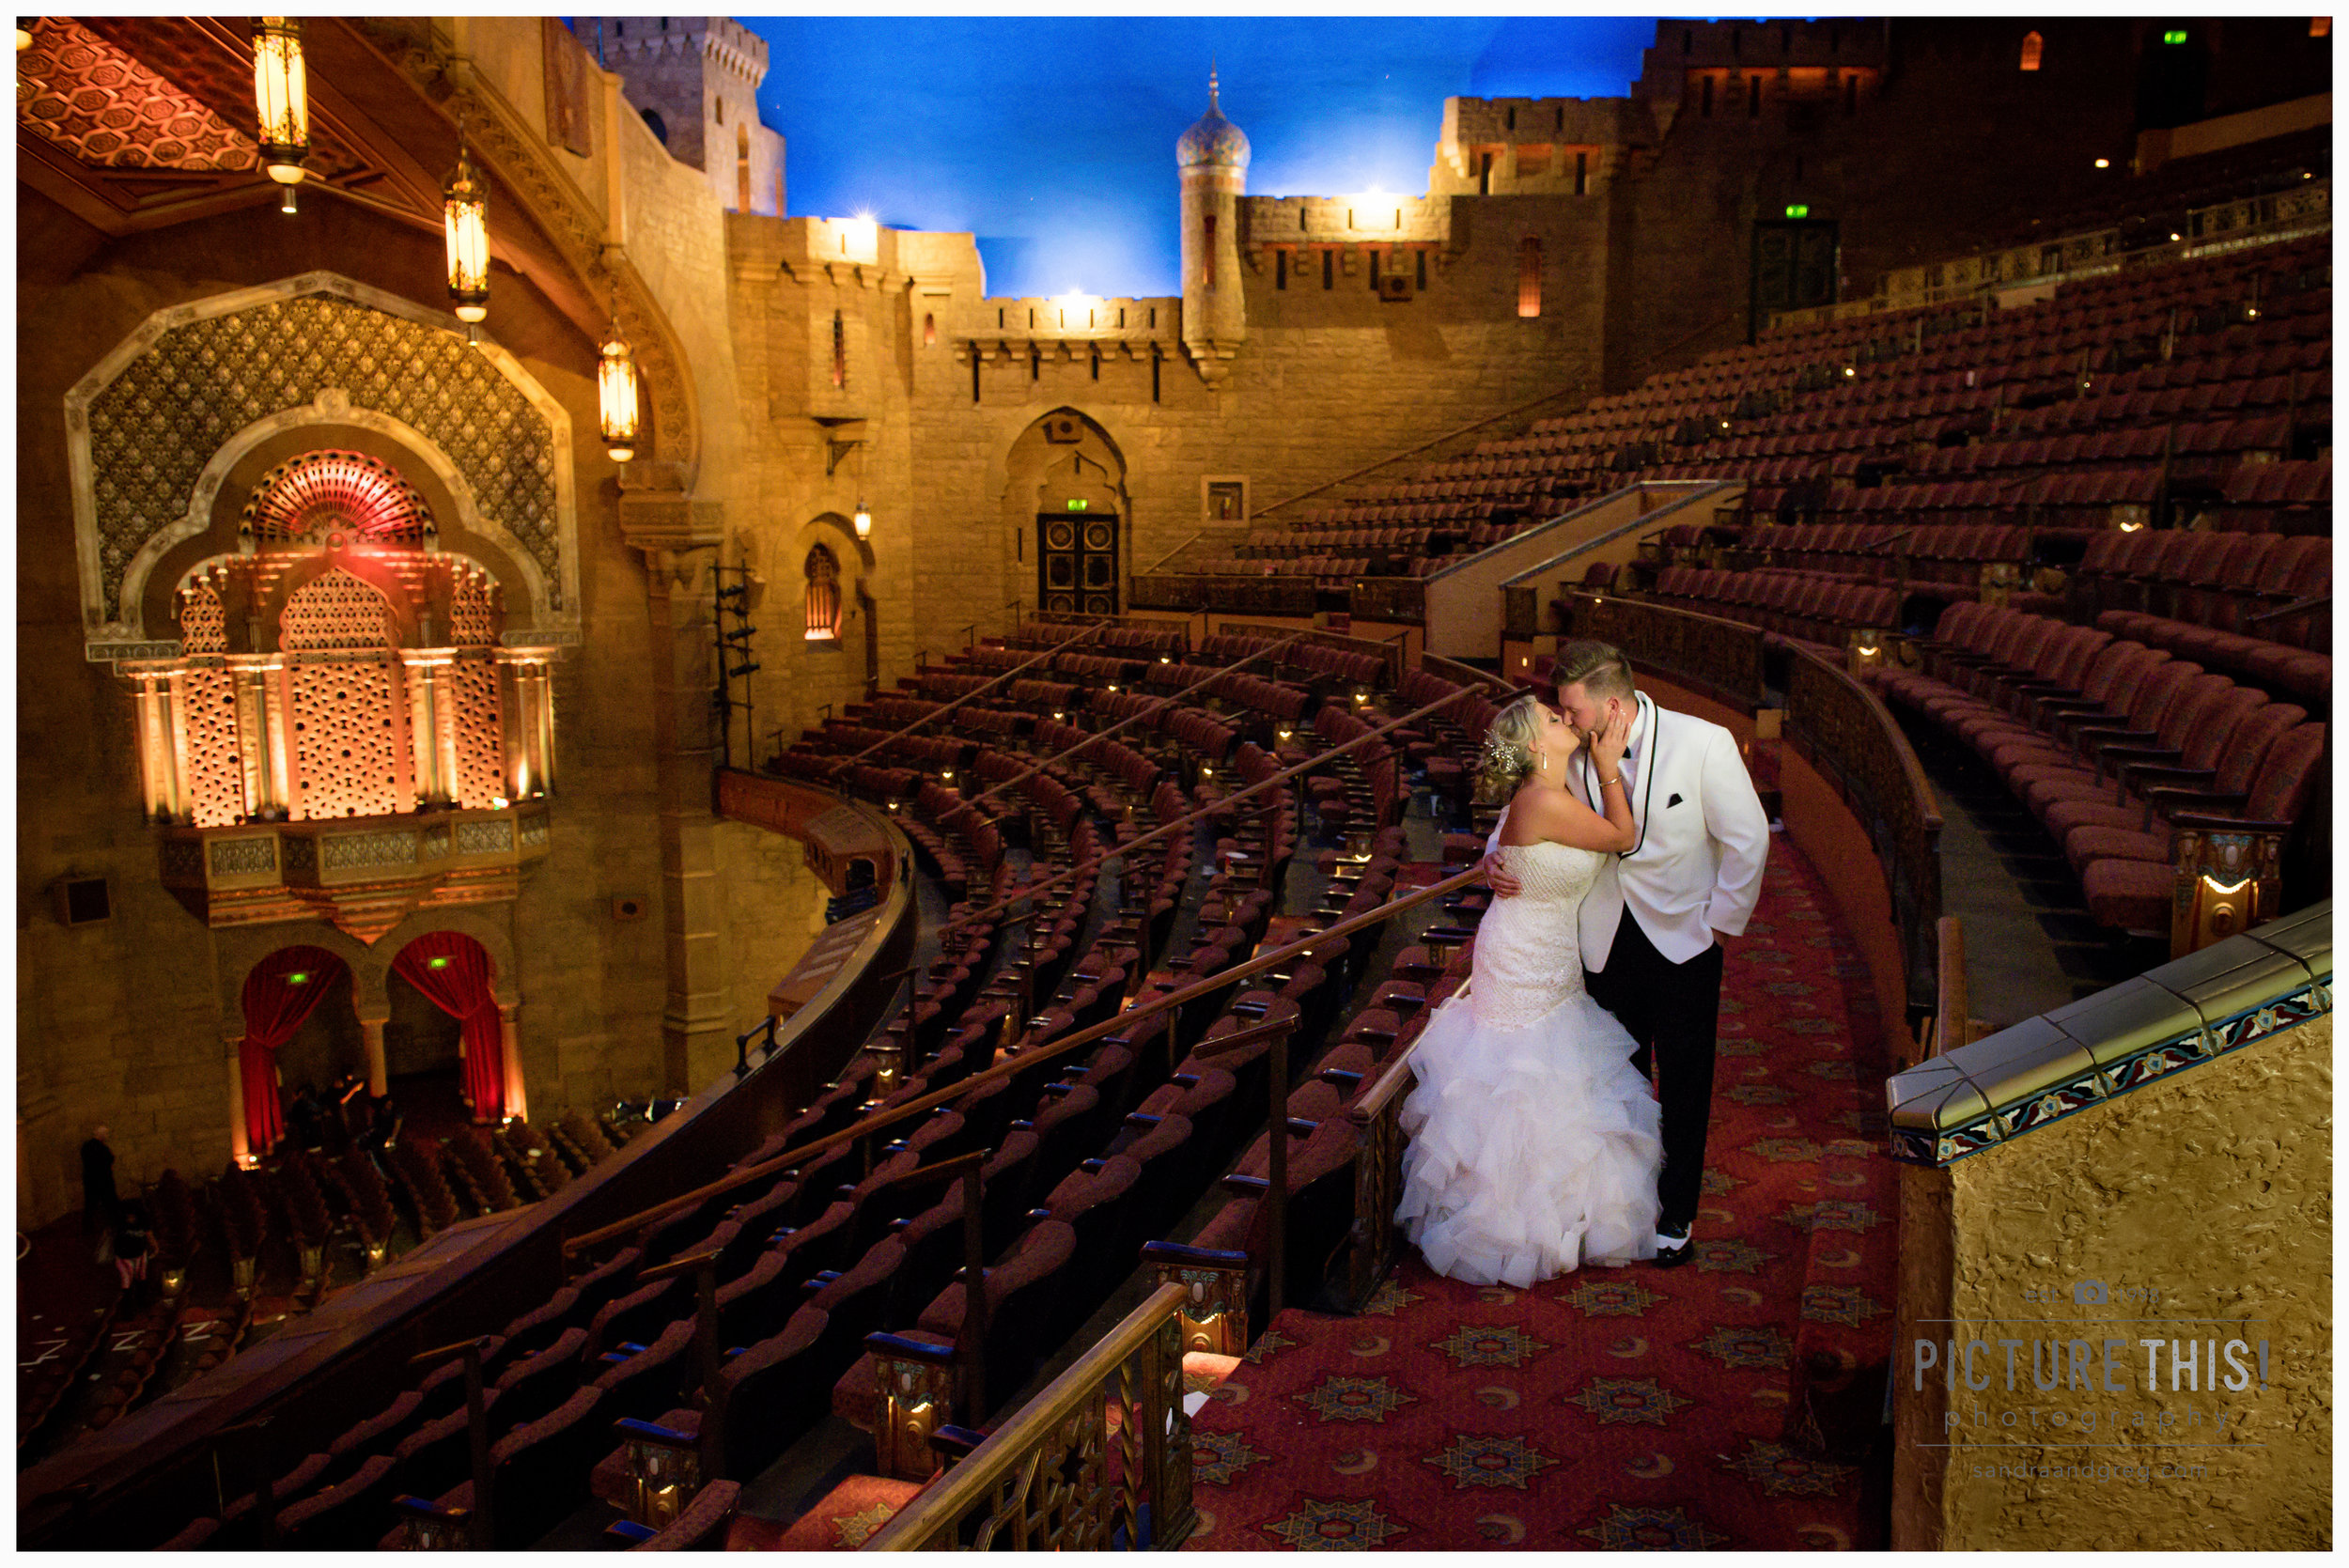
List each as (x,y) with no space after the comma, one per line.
(1532,1150)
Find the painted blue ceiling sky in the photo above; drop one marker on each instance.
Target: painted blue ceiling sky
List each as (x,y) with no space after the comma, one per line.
(1053,138)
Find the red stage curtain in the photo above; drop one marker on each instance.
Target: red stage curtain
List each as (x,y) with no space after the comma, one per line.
(462,989)
(275,1008)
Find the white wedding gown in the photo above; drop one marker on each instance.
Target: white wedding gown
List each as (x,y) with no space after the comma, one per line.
(1534,1144)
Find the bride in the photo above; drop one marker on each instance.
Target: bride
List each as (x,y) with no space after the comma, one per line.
(1534,1144)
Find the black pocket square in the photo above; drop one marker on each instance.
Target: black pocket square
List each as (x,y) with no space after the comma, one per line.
(1673,801)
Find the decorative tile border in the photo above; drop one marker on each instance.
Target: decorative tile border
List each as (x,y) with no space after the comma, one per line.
(1918,1147)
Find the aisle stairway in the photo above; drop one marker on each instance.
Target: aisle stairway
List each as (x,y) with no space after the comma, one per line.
(1732,1402)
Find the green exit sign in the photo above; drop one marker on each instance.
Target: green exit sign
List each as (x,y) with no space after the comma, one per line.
(1079,506)
(1798,211)
(2175,35)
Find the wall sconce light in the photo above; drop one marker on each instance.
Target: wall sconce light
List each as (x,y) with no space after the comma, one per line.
(864,520)
(280,94)
(465,213)
(615,389)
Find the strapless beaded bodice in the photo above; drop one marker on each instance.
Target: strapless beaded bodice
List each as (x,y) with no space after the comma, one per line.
(1529,947)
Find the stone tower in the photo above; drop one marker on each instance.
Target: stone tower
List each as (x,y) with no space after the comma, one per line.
(1212,158)
(696,81)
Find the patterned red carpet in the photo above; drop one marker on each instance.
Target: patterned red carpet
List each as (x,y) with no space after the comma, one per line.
(1612,1408)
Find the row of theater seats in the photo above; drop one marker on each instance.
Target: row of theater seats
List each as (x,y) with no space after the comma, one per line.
(2064,394)
(2159,203)
(599,1350)
(2116,747)
(1073,1246)
(1796,606)
(2256,605)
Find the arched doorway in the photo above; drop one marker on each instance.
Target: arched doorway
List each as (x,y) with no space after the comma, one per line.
(446,1045)
(302,1036)
(1066,505)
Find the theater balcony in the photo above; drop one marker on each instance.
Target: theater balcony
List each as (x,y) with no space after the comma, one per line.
(363,874)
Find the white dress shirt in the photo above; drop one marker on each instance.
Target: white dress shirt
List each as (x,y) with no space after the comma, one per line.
(1701,838)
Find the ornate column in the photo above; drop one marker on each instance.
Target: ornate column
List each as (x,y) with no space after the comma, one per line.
(379,1072)
(159,752)
(680,536)
(238,1146)
(275,696)
(510,1042)
(427,732)
(257,739)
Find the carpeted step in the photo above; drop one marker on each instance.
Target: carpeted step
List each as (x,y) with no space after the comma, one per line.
(1844,1340)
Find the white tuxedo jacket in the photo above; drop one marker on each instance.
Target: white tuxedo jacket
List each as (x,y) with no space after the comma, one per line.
(1700,832)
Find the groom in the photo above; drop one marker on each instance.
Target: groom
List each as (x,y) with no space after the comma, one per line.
(1688,884)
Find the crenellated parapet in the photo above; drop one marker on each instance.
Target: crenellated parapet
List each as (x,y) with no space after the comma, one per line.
(1067,326)
(1536,145)
(1372,217)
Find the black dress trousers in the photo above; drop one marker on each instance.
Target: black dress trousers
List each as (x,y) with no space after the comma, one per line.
(1672,1011)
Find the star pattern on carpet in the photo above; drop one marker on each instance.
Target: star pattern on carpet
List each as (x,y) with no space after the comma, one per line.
(1746,1345)
(1504,1346)
(1724,1255)
(1844,1304)
(1355,1399)
(1489,1461)
(1335,1525)
(1782,1472)
(856,1529)
(1678,1432)
(1835,1213)
(1389,1299)
(1270,1344)
(1611,1297)
(1783,1150)
(1627,1401)
(1651,1529)
(1217,1456)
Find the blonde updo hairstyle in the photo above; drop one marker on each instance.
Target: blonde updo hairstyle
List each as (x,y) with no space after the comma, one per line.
(1507,758)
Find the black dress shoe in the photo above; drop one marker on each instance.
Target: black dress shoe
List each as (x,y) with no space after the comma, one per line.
(1672,1246)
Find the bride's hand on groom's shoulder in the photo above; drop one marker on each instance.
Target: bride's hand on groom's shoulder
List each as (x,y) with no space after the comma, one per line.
(1497,878)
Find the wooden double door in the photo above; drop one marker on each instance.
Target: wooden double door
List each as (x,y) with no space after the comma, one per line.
(1076,563)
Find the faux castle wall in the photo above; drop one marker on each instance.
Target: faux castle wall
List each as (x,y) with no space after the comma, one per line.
(2212,1188)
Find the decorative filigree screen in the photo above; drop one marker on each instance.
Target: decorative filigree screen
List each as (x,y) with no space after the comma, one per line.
(372,686)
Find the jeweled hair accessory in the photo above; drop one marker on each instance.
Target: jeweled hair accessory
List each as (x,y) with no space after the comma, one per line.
(1498,753)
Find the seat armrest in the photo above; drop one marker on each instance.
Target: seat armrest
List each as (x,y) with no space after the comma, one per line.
(2201,822)
(2172,803)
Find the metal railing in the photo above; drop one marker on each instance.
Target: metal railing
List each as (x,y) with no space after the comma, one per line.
(1041,1482)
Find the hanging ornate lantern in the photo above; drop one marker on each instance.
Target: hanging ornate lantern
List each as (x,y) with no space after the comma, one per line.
(465,210)
(282,97)
(616,387)
(864,520)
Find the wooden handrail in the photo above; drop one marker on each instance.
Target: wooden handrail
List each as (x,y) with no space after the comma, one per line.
(949,707)
(995,911)
(1951,1010)
(1024,1061)
(1131,719)
(2292,608)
